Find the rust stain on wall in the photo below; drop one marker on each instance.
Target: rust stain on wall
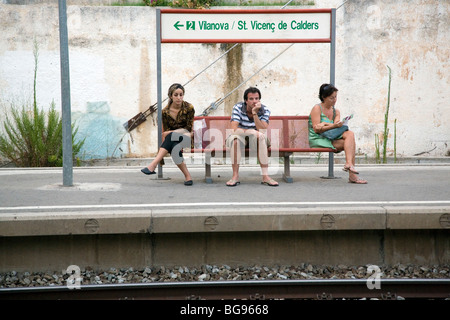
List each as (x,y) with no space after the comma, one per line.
(234,76)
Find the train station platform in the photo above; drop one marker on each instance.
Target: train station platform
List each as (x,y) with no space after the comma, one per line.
(160,216)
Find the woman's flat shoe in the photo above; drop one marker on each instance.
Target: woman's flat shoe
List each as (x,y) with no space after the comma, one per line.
(188,183)
(351,169)
(147,171)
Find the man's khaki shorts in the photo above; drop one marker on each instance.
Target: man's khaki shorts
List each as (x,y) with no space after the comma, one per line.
(246,141)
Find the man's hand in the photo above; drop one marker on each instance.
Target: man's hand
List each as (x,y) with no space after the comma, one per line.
(256,107)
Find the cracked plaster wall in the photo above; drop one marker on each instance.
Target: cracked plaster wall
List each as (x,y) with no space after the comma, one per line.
(112,52)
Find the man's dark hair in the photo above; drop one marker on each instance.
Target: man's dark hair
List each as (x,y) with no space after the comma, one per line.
(252,90)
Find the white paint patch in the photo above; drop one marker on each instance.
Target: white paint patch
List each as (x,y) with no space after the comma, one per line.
(84,187)
(223,204)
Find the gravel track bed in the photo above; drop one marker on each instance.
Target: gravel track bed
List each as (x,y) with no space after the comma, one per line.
(220,273)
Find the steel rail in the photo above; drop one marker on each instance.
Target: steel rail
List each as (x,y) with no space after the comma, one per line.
(324,289)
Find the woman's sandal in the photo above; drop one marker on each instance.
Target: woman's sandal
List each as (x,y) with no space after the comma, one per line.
(351,169)
(357,181)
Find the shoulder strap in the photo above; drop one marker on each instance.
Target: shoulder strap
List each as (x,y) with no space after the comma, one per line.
(334,113)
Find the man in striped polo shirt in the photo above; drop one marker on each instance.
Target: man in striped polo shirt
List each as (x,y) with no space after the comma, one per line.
(248,120)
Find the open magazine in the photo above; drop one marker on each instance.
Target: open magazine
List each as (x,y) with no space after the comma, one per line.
(345,120)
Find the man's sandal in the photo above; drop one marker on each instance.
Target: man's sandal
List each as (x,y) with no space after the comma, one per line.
(233,183)
(271,183)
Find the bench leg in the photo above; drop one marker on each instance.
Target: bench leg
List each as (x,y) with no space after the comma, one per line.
(287,169)
(208,178)
(330,167)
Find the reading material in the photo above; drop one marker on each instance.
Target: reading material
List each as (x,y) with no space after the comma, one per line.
(345,120)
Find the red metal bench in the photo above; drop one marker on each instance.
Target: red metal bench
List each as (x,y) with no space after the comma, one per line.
(288,134)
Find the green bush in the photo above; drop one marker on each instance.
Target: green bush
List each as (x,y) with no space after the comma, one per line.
(191,4)
(33,138)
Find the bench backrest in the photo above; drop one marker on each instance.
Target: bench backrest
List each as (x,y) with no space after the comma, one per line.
(291,132)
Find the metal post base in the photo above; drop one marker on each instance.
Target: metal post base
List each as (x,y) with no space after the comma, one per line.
(162,178)
(332,177)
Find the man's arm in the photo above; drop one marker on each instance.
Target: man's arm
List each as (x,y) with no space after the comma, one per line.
(258,122)
(234,125)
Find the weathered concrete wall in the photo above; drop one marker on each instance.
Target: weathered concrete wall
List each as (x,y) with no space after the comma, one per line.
(413,39)
(356,247)
(112,55)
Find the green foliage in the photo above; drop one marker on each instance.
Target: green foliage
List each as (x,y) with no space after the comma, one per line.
(190,4)
(377,149)
(204,4)
(386,118)
(386,131)
(33,138)
(395,140)
(319,155)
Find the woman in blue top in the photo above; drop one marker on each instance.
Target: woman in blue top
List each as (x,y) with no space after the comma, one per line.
(324,117)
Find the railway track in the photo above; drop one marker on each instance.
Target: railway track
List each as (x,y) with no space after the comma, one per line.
(384,289)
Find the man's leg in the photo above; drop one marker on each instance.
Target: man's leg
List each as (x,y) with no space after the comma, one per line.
(235,161)
(263,158)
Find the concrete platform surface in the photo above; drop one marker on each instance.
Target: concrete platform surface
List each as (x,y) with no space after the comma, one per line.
(111,200)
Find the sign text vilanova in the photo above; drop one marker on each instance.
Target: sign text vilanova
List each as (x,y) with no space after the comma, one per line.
(307,25)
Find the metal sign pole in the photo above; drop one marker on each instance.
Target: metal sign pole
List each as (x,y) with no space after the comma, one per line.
(332,80)
(333,47)
(65,97)
(159,85)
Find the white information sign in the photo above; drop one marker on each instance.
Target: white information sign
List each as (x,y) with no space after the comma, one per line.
(305,25)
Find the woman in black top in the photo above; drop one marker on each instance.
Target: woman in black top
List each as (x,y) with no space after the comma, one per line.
(177,122)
